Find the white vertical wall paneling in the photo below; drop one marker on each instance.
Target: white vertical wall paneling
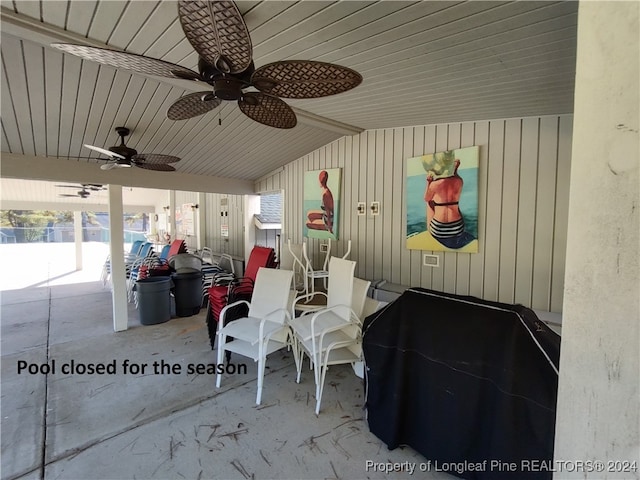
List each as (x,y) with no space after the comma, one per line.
(563,171)
(378,226)
(545,212)
(403,146)
(348,205)
(385,220)
(450,270)
(494,209)
(415,256)
(527,209)
(370,189)
(476,263)
(509,220)
(522,207)
(463,264)
(361,241)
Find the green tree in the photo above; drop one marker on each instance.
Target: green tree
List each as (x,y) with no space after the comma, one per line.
(29,224)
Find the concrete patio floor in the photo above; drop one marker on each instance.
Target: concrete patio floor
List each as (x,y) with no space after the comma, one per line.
(172,425)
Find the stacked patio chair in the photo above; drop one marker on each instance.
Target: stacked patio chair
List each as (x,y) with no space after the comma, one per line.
(237,289)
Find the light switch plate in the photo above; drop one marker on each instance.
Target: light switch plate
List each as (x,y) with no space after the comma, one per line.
(324,247)
(361,208)
(375,208)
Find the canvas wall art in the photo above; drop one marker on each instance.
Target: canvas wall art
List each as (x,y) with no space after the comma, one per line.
(322,203)
(442,201)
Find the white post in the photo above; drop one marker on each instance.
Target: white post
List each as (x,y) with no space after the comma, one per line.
(77,233)
(251,207)
(201,218)
(599,390)
(172,215)
(118,274)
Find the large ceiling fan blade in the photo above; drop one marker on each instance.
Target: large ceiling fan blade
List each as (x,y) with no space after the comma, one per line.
(108,166)
(304,79)
(154,159)
(104,151)
(160,167)
(217,31)
(267,110)
(128,61)
(192,105)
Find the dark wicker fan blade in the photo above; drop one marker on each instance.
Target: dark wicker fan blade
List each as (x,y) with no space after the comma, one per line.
(160,167)
(304,79)
(129,61)
(153,159)
(192,105)
(217,31)
(267,110)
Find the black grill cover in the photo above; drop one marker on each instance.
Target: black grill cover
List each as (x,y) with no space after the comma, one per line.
(462,379)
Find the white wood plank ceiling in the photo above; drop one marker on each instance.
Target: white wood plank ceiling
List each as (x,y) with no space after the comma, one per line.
(422,62)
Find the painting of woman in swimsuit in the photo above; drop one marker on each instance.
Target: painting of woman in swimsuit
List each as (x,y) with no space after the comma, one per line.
(321,203)
(444,215)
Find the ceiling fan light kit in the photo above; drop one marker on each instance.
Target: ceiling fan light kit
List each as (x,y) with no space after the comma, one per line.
(219,35)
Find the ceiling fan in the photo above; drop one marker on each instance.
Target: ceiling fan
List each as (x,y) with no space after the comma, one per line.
(219,34)
(125,157)
(86,189)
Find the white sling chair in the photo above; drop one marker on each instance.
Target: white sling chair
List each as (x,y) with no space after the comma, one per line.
(264,329)
(311,274)
(332,335)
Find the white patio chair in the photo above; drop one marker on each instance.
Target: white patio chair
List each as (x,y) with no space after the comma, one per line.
(323,273)
(264,329)
(331,336)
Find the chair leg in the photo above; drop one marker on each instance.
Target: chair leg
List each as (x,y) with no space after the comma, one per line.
(320,388)
(221,342)
(296,358)
(261,362)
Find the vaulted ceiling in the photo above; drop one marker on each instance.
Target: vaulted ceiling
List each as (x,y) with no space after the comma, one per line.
(422,63)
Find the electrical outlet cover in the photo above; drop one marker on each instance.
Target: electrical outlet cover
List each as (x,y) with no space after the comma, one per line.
(431,260)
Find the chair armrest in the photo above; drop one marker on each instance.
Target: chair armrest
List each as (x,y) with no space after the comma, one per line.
(266,319)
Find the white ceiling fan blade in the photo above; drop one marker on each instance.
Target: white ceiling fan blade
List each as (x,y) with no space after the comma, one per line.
(107,166)
(104,151)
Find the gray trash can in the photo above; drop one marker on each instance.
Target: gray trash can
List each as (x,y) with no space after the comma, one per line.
(154,300)
(187,292)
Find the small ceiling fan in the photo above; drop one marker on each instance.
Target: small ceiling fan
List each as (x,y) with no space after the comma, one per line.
(86,189)
(125,157)
(219,34)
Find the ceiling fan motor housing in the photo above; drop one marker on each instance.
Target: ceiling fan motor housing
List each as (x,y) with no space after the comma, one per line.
(122,149)
(227,86)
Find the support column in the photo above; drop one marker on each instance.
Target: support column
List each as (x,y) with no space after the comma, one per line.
(118,274)
(172,215)
(77,234)
(599,390)
(251,207)
(201,219)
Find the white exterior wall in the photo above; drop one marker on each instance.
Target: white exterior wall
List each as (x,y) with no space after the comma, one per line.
(598,400)
(523,205)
